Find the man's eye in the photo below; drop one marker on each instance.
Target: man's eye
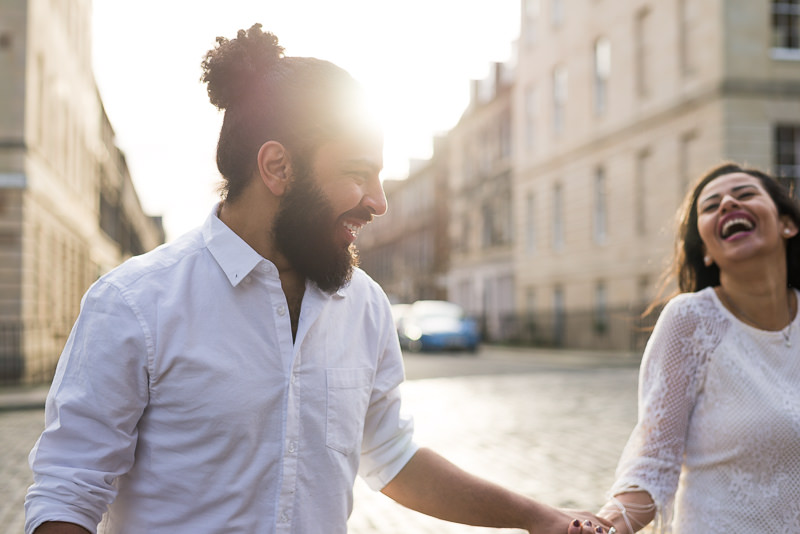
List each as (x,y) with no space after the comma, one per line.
(358,176)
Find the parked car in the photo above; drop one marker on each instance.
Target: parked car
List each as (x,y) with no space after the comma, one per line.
(434,325)
(399,311)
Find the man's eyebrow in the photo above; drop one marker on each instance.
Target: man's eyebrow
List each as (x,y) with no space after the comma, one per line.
(735,189)
(365,162)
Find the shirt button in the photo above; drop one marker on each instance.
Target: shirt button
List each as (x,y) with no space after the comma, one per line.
(247,279)
(266,268)
(281,310)
(284,518)
(292,446)
(294,379)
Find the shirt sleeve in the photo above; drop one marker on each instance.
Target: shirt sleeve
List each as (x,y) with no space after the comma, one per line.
(671,376)
(388,433)
(98,394)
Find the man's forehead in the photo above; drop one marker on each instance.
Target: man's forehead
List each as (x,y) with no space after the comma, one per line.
(359,150)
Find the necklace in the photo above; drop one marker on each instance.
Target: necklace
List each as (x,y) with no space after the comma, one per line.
(786,332)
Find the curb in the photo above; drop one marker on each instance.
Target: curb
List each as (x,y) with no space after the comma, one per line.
(15,398)
(19,398)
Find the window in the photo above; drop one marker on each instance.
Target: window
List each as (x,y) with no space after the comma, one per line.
(559,98)
(600,308)
(602,70)
(559,316)
(532,10)
(787,154)
(487,228)
(643,290)
(530,117)
(688,160)
(530,301)
(505,135)
(785,34)
(557,12)
(642,52)
(464,244)
(530,309)
(640,191)
(600,206)
(688,22)
(558,217)
(530,224)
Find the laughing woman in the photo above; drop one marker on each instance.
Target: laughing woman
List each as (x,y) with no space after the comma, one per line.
(717,443)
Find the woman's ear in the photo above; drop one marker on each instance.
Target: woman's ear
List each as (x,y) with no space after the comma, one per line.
(789,227)
(274,167)
(707,260)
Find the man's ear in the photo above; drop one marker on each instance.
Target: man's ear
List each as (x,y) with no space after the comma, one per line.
(274,167)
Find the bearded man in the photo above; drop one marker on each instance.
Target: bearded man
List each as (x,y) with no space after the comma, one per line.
(238,379)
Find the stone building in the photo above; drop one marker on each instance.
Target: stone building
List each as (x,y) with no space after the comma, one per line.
(566,172)
(68,208)
(618,107)
(481,276)
(407,249)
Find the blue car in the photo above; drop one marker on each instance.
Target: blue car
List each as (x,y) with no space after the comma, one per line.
(436,325)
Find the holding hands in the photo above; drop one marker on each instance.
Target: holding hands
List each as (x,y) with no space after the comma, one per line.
(631,511)
(588,527)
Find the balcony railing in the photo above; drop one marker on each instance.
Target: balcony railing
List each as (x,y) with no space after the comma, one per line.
(29,352)
(616,329)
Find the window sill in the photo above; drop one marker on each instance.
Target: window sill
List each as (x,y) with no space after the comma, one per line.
(785,54)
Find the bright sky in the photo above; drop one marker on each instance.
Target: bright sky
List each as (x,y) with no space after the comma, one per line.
(415,58)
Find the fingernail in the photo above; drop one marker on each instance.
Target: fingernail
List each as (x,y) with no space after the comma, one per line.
(576,523)
(587,523)
(599,530)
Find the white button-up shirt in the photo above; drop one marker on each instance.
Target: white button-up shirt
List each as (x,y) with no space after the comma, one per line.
(182,401)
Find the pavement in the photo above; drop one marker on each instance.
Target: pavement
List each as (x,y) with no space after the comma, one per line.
(548,424)
(13,398)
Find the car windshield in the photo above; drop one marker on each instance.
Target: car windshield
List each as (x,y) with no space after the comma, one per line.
(429,309)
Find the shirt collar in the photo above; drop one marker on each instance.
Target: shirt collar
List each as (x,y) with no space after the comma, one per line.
(236,258)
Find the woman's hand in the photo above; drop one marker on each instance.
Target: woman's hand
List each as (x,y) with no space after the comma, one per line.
(587,526)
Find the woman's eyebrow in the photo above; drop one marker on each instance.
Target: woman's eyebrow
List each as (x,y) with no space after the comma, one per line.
(734,190)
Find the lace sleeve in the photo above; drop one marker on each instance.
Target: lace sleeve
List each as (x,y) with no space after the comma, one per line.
(671,376)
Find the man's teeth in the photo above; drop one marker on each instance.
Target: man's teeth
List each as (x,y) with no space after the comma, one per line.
(352,228)
(744,224)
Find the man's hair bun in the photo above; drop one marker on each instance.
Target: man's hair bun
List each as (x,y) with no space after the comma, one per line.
(238,66)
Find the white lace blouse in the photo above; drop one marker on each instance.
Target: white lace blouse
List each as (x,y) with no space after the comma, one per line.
(717,443)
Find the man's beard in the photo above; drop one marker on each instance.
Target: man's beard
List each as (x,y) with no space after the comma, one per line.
(304,231)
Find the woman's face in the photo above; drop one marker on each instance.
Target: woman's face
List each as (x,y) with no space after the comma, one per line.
(737,220)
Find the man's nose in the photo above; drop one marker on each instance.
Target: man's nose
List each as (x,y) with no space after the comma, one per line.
(375,199)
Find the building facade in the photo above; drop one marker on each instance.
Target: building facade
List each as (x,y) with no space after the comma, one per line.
(566,172)
(481,276)
(68,208)
(407,249)
(619,107)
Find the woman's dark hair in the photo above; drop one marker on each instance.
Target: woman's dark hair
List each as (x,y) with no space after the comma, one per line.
(688,268)
(266,96)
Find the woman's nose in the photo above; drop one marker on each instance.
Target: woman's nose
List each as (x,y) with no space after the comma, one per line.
(728,203)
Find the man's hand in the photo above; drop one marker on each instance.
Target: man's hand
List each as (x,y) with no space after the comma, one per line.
(432,485)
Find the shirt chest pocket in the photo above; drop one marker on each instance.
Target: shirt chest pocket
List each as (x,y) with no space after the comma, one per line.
(348,398)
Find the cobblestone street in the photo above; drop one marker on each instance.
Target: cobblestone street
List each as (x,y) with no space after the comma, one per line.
(549,431)
(18,433)
(554,435)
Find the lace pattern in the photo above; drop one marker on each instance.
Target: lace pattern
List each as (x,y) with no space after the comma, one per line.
(718,435)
